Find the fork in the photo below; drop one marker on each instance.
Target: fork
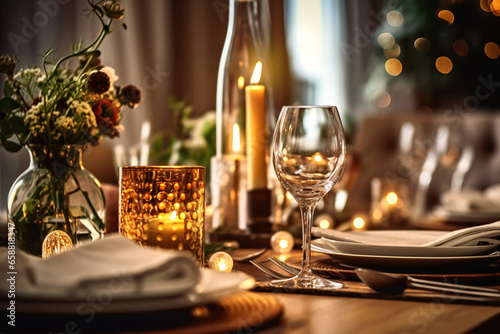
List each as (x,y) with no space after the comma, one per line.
(286,267)
(294,271)
(269,271)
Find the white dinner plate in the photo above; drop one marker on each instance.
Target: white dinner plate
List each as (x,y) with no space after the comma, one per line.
(390,250)
(441,264)
(471,217)
(213,286)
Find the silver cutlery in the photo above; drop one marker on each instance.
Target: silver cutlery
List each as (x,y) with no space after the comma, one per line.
(269,271)
(249,256)
(396,283)
(286,267)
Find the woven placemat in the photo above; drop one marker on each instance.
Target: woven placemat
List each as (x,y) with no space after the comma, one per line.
(245,312)
(329,267)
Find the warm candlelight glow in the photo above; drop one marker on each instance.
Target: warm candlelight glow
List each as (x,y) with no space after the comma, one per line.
(319,163)
(358,222)
(236,138)
(377,214)
(257,73)
(282,242)
(392,198)
(56,242)
(221,261)
(324,223)
(163,206)
(241,82)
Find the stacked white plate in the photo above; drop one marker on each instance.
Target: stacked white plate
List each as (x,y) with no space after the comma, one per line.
(406,258)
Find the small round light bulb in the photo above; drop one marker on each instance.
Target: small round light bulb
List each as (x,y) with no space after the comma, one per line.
(221,261)
(282,242)
(56,242)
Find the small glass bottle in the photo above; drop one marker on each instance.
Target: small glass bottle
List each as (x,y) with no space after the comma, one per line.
(244,46)
(246,43)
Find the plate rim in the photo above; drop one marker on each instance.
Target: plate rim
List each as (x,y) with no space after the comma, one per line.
(437,258)
(378,248)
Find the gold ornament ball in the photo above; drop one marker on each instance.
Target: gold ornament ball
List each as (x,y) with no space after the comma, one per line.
(56,242)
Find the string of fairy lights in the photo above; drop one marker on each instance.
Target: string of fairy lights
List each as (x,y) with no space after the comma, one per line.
(425,41)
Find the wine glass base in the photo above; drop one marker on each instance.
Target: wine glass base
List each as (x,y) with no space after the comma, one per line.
(306,281)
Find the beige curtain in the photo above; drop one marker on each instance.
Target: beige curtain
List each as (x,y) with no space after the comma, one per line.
(171,48)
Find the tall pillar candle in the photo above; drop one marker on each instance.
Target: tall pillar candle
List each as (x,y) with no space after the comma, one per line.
(256,132)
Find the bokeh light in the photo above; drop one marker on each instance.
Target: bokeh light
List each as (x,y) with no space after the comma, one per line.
(221,261)
(386,40)
(358,223)
(444,65)
(447,16)
(460,47)
(395,18)
(324,223)
(492,50)
(384,100)
(377,214)
(485,5)
(392,198)
(324,220)
(282,242)
(392,52)
(422,45)
(393,67)
(495,7)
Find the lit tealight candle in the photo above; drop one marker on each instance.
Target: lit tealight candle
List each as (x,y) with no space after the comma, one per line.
(318,162)
(166,231)
(221,261)
(282,242)
(56,242)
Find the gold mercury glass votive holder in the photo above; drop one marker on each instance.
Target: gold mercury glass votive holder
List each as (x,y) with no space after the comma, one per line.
(164,206)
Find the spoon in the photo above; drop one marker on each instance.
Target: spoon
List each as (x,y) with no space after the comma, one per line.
(393,284)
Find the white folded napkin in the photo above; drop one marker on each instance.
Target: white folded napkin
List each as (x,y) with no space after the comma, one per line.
(113,263)
(472,200)
(470,236)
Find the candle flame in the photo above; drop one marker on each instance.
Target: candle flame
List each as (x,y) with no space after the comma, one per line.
(317,157)
(241,82)
(236,138)
(173,215)
(257,72)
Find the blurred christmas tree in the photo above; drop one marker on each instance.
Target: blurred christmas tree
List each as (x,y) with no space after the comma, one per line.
(446,52)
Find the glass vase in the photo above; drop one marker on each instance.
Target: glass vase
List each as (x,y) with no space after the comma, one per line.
(246,43)
(55,193)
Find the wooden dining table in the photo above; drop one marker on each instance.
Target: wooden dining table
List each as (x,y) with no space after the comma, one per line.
(360,312)
(355,308)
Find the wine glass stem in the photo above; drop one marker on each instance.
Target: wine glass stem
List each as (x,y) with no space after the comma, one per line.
(307,211)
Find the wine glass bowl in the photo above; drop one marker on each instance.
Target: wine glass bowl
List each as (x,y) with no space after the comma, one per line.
(308,158)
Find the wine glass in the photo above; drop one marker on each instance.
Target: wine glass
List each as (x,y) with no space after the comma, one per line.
(309,157)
